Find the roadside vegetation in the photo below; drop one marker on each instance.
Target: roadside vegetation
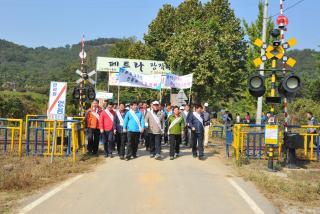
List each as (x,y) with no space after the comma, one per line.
(21,177)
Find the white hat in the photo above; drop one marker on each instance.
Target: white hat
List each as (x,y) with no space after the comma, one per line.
(181,108)
(155,102)
(206,104)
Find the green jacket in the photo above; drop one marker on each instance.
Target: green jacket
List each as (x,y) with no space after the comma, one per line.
(178,127)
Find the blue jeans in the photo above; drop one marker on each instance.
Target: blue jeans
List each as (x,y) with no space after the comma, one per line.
(108,142)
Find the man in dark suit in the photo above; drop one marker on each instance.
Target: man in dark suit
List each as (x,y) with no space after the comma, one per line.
(121,137)
(197,127)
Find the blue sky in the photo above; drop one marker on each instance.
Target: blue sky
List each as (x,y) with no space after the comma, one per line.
(54,23)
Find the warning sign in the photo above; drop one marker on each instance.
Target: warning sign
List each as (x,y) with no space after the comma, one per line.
(271,134)
(57,101)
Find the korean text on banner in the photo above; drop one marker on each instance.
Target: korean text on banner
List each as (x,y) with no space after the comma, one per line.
(180,82)
(57,101)
(109,64)
(132,79)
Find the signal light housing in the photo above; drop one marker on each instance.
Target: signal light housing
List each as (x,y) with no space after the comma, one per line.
(256,85)
(289,86)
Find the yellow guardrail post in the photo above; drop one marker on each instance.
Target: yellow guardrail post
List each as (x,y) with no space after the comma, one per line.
(73,141)
(20,138)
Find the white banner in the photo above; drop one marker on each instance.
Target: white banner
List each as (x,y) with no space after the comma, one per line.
(180,82)
(104,95)
(139,80)
(57,101)
(134,65)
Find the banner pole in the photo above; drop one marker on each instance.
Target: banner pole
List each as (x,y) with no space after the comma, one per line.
(160,95)
(118,94)
(190,95)
(108,80)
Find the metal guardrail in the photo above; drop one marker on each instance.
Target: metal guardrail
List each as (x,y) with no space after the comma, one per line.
(15,127)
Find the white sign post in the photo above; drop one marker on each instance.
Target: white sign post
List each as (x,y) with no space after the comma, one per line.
(57,106)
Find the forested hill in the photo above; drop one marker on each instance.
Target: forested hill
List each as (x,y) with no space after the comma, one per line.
(31,69)
(306,62)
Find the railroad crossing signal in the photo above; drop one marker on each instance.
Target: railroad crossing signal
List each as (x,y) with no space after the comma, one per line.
(275,52)
(86,76)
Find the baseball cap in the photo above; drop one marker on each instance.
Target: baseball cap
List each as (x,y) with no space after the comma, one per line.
(155,102)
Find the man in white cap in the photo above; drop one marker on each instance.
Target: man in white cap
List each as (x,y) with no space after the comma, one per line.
(155,121)
(206,122)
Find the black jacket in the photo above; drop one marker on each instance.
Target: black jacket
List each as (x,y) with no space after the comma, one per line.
(116,122)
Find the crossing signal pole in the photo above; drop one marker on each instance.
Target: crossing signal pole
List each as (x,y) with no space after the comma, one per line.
(289,82)
(84,91)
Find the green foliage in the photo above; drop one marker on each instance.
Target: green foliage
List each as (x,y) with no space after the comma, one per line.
(18,104)
(297,110)
(32,69)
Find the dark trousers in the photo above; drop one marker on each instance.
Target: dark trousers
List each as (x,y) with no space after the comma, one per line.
(121,139)
(197,144)
(108,142)
(166,136)
(133,142)
(188,136)
(146,138)
(93,140)
(175,141)
(155,144)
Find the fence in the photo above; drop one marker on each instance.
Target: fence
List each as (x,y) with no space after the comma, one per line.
(248,140)
(217,133)
(69,137)
(12,132)
(36,135)
(311,147)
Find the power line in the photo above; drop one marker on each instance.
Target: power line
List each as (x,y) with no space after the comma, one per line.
(288,8)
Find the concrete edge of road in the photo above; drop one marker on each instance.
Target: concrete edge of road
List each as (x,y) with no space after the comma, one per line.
(48,195)
(250,194)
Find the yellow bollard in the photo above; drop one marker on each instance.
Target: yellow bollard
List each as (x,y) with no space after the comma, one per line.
(20,138)
(73,142)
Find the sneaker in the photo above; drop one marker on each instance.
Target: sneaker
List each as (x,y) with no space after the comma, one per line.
(127,158)
(201,158)
(152,156)
(106,155)
(177,155)
(111,156)
(195,156)
(158,157)
(121,157)
(171,158)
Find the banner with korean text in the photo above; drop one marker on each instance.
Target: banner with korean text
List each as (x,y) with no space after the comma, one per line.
(133,79)
(180,82)
(109,64)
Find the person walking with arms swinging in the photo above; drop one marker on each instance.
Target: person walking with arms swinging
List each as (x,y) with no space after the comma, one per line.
(176,127)
(155,121)
(134,124)
(197,126)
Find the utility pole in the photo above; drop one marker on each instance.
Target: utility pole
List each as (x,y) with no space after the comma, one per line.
(264,39)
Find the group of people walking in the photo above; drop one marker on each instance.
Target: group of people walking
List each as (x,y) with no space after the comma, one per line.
(122,127)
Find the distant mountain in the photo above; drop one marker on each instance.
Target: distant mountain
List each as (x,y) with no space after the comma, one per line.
(32,69)
(306,62)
